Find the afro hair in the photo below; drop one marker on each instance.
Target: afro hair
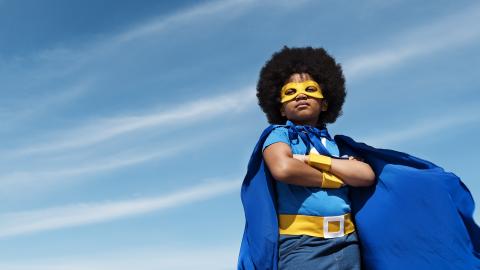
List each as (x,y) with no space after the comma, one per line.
(314,61)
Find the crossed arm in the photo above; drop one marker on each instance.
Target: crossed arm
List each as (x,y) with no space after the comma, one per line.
(292,170)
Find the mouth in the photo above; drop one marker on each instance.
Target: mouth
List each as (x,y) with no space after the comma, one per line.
(302,104)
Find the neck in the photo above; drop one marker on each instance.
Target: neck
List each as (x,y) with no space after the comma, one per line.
(305,123)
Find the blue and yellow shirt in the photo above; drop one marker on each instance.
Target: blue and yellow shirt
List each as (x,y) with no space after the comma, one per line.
(310,201)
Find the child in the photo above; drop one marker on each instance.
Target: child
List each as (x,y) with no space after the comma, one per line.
(296,191)
(305,87)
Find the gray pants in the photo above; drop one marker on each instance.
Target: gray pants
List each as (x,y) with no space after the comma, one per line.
(309,253)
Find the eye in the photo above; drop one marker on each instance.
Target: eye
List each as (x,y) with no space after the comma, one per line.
(290,91)
(311,89)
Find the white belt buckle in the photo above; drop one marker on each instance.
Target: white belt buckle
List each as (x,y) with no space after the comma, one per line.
(341,231)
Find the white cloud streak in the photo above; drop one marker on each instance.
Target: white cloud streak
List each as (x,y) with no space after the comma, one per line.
(19,223)
(36,179)
(69,64)
(423,40)
(447,33)
(29,107)
(423,128)
(205,258)
(189,15)
(39,179)
(104,129)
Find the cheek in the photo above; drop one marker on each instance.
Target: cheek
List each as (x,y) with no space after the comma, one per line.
(288,108)
(319,104)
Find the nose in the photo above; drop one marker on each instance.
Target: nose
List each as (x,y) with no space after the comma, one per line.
(301,96)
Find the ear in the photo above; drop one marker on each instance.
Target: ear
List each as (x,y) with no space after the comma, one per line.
(282,111)
(324,105)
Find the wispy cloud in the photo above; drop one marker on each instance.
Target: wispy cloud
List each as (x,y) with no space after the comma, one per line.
(424,40)
(28,107)
(424,127)
(19,223)
(42,179)
(54,79)
(151,258)
(447,33)
(103,129)
(64,66)
(77,64)
(189,15)
(55,173)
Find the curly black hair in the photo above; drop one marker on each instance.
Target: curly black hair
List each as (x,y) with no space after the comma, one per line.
(314,61)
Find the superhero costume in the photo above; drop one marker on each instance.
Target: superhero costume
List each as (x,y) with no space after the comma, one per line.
(416,216)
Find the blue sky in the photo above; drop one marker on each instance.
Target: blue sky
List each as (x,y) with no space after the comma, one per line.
(127,126)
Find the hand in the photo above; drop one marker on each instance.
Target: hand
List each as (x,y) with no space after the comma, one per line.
(355,158)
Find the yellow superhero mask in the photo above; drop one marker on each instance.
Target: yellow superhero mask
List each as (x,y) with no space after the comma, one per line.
(293,89)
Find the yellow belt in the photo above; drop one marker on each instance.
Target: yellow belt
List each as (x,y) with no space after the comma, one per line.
(325,227)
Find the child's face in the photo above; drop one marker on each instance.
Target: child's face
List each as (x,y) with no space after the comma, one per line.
(303,109)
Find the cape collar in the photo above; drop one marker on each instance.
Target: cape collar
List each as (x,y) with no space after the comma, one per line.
(323,132)
(309,135)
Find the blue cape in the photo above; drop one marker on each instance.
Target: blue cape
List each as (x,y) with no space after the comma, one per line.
(416,216)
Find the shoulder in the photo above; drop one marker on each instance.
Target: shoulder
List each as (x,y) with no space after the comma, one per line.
(278,133)
(279,129)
